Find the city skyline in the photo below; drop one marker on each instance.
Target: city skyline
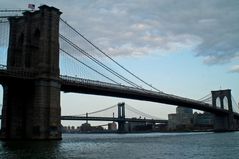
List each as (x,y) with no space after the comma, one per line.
(184,60)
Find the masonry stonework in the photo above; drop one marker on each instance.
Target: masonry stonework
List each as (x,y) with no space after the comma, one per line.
(31,108)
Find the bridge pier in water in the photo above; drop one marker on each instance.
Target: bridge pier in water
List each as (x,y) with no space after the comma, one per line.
(31,107)
(121,116)
(223,122)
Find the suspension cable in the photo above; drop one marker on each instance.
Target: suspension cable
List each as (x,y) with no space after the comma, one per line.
(109,56)
(98,62)
(139,112)
(3,21)
(101,110)
(150,117)
(234,101)
(206,100)
(206,96)
(14,10)
(88,66)
(236,106)
(97,111)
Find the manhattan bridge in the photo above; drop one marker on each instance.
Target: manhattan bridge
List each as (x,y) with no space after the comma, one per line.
(41,55)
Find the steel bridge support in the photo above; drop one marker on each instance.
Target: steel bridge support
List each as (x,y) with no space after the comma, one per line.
(31,108)
(121,117)
(223,122)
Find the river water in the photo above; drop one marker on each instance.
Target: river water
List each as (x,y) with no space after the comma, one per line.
(128,146)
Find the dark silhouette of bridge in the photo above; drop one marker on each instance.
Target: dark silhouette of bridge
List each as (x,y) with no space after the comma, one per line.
(94,118)
(32,82)
(121,119)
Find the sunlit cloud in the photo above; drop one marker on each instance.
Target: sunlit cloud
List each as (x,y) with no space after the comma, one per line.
(234,69)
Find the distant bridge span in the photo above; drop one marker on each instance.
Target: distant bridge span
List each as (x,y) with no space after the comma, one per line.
(64,117)
(112,119)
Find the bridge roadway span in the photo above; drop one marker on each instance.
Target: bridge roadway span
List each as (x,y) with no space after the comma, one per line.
(86,86)
(78,85)
(111,119)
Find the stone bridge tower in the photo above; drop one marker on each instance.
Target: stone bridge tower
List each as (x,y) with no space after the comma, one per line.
(223,122)
(31,108)
(121,115)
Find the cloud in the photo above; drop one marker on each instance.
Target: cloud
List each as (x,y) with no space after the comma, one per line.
(130,28)
(141,27)
(234,69)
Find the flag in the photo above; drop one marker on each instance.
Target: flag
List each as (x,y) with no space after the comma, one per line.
(31,6)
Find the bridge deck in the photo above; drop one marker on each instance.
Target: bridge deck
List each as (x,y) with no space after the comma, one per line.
(79,85)
(110,119)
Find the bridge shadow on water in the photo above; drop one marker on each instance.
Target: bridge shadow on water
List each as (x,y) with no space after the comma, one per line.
(29,149)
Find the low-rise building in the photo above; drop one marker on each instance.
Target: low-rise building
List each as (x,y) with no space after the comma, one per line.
(112,126)
(182,120)
(203,120)
(172,121)
(85,127)
(139,126)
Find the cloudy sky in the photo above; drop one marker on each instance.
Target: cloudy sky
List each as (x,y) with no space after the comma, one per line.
(186,47)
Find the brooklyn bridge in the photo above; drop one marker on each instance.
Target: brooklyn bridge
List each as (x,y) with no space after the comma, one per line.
(32,78)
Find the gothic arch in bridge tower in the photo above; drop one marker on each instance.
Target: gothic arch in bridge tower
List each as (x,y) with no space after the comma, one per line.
(37,35)
(20,41)
(1,96)
(222,98)
(223,122)
(15,61)
(1,100)
(36,38)
(225,102)
(218,103)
